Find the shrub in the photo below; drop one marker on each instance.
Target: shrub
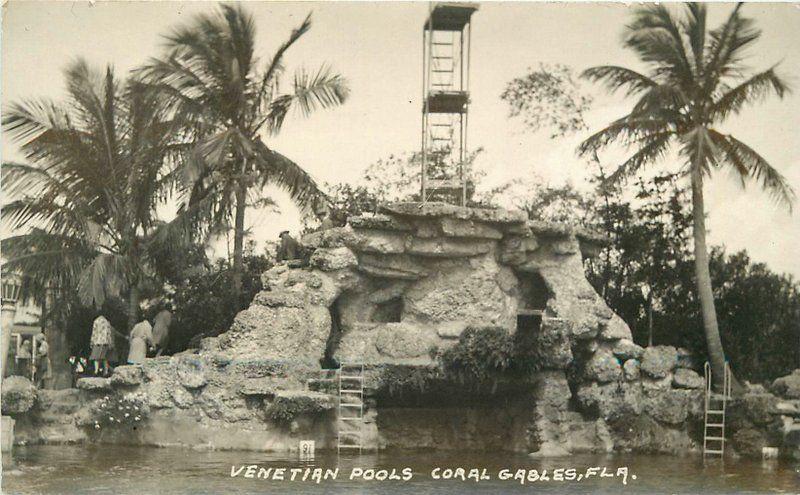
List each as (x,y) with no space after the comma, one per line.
(486,354)
(285,408)
(119,411)
(205,305)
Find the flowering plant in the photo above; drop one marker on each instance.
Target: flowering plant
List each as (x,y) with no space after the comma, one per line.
(119,411)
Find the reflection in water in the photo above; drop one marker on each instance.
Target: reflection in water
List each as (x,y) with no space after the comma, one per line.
(140,470)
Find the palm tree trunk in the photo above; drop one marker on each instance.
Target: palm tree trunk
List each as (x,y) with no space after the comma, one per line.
(133,306)
(716,353)
(238,240)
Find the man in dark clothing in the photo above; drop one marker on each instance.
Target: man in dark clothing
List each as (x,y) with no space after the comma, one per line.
(326,222)
(289,249)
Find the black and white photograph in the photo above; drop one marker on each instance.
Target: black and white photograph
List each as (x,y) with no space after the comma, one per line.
(385,247)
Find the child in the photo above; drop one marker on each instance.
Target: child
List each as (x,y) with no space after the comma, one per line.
(78,365)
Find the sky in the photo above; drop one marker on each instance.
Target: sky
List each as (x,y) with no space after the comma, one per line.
(377,47)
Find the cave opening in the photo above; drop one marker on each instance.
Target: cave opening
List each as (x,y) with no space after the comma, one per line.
(532,304)
(390,311)
(328,360)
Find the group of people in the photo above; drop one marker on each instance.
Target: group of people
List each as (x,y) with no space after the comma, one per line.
(34,354)
(143,339)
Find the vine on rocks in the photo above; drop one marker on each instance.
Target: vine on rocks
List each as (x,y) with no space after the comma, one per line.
(399,380)
(486,355)
(284,410)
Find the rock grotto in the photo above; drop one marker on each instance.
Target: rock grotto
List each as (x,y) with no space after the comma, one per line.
(477,330)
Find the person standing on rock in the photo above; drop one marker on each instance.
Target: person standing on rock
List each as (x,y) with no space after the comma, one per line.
(25,354)
(161,330)
(43,368)
(141,339)
(289,248)
(102,344)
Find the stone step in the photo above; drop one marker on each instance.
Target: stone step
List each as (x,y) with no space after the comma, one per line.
(786,408)
(56,419)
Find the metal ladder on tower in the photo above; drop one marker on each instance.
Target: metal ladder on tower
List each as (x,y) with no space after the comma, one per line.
(351,407)
(715,405)
(442,128)
(443,63)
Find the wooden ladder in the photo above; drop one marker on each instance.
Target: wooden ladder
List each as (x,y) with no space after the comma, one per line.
(715,404)
(351,407)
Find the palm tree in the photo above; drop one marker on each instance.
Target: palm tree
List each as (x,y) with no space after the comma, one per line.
(211,74)
(86,202)
(695,80)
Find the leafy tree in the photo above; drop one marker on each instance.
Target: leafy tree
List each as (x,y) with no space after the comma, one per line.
(695,81)
(212,77)
(398,178)
(348,200)
(759,316)
(548,97)
(540,201)
(86,203)
(650,246)
(203,304)
(649,239)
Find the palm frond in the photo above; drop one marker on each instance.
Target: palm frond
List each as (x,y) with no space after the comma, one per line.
(240,29)
(312,90)
(726,47)
(203,209)
(94,97)
(695,27)
(279,170)
(616,78)
(754,89)
(29,119)
(209,154)
(275,66)
(699,149)
(651,149)
(751,165)
(46,259)
(656,36)
(42,212)
(665,101)
(21,178)
(106,276)
(628,130)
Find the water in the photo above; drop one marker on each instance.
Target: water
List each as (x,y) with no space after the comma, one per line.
(141,470)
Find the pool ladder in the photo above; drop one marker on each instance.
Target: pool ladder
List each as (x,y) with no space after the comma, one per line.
(715,405)
(351,407)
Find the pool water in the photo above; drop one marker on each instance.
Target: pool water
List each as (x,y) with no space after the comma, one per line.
(141,470)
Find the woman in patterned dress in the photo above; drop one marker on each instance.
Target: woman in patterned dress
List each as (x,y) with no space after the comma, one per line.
(102,343)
